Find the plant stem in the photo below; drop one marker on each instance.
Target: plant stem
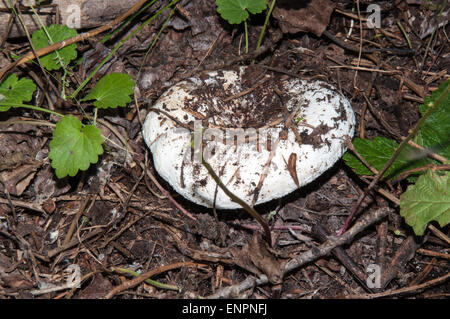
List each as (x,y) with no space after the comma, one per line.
(149,281)
(44,123)
(95,116)
(431,107)
(272,5)
(246,36)
(31,107)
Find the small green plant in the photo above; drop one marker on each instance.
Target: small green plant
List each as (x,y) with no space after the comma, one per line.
(15,91)
(237,11)
(52,34)
(378,151)
(429,198)
(76,142)
(74,145)
(112,90)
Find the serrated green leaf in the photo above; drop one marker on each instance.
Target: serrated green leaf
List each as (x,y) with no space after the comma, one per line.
(74,146)
(378,151)
(235,11)
(435,132)
(112,90)
(427,200)
(13,90)
(57,33)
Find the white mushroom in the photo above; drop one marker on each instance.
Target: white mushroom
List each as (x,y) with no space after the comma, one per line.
(265,135)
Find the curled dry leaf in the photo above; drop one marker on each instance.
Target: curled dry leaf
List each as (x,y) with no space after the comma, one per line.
(291,166)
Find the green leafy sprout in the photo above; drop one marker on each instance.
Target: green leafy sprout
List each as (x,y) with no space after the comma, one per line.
(429,198)
(238,11)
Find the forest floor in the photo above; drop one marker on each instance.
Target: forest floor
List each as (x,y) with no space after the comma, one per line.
(112,219)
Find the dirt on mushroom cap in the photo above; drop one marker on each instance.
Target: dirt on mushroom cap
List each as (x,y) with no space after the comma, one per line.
(285,116)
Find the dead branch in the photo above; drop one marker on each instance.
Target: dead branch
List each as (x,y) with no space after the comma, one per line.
(308,256)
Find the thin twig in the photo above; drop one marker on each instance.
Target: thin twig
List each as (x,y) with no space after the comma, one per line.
(19,203)
(418,89)
(73,242)
(400,260)
(433,253)
(341,255)
(245,92)
(76,218)
(404,174)
(148,281)
(81,37)
(136,281)
(351,48)
(359,156)
(439,234)
(11,205)
(8,26)
(20,17)
(406,290)
(265,171)
(429,153)
(383,122)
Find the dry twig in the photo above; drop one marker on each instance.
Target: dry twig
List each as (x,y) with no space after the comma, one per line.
(137,280)
(306,257)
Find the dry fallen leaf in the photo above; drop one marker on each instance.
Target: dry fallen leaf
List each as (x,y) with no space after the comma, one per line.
(257,258)
(303,16)
(17,180)
(292,168)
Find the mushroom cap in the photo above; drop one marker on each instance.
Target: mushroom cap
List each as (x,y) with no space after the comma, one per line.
(264,135)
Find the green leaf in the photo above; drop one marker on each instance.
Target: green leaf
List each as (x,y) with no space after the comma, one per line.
(13,90)
(112,90)
(378,151)
(435,132)
(235,11)
(74,146)
(427,200)
(57,33)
